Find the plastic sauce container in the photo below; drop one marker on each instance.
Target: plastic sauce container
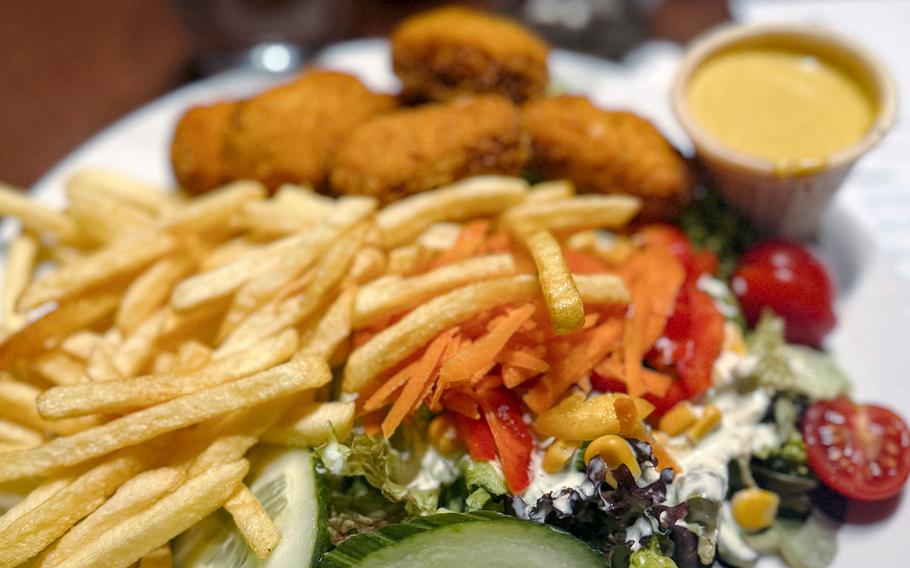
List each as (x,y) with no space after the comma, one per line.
(778,115)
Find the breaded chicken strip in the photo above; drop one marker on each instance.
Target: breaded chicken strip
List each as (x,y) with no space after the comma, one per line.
(288,134)
(607,152)
(447,52)
(197,150)
(412,150)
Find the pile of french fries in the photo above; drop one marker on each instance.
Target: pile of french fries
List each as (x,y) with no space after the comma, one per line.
(150,340)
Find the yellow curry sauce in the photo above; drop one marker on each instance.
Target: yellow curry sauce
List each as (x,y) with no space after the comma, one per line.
(779,104)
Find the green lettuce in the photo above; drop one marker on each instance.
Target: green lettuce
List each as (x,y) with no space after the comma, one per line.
(381,466)
(792,368)
(483,481)
(650,556)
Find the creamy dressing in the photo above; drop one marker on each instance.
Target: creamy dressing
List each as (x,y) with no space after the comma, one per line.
(435,470)
(740,433)
(543,482)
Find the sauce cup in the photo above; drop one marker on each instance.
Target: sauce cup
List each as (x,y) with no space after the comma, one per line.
(784,201)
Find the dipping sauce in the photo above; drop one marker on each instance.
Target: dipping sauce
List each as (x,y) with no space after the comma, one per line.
(785,105)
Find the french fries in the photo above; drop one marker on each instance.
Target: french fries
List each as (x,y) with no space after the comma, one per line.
(311,425)
(382,298)
(130,254)
(35,218)
(145,531)
(123,188)
(132,497)
(178,413)
(42,525)
(575,214)
(402,221)
(20,262)
(252,521)
(175,334)
(567,314)
(141,392)
(149,291)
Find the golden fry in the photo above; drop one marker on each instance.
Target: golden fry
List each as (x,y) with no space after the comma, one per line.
(252,521)
(141,392)
(178,413)
(142,533)
(567,313)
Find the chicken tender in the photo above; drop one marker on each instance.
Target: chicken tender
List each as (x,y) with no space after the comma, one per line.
(288,134)
(447,52)
(412,150)
(197,150)
(607,152)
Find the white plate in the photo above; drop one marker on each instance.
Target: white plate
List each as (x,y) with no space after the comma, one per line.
(873,306)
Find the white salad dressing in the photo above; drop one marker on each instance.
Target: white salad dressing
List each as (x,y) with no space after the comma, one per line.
(740,433)
(435,470)
(543,482)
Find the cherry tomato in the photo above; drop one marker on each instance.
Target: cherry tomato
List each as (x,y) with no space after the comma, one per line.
(785,277)
(860,451)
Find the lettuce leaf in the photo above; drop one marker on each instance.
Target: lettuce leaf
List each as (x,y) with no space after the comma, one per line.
(380,465)
(793,368)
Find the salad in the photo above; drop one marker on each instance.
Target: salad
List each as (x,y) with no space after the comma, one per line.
(740,440)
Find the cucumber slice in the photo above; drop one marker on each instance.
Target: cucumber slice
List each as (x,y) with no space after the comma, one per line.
(453,540)
(290,490)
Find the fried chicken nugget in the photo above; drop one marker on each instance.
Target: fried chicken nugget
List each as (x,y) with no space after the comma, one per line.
(607,152)
(412,150)
(288,134)
(447,52)
(197,149)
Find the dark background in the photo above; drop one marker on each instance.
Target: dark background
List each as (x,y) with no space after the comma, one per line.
(70,67)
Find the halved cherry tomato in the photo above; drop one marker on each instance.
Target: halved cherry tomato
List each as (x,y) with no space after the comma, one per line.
(785,277)
(860,451)
(477,437)
(514,442)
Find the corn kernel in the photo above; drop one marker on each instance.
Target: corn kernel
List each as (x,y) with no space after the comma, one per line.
(614,451)
(677,419)
(558,455)
(754,509)
(709,421)
(443,435)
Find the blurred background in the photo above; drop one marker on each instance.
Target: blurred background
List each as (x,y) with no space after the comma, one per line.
(70,68)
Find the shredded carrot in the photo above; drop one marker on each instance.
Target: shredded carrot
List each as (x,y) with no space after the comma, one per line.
(461,403)
(453,345)
(655,382)
(590,348)
(654,277)
(477,358)
(470,241)
(581,262)
(386,392)
(514,376)
(420,376)
(372,423)
(498,242)
(664,459)
(523,359)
